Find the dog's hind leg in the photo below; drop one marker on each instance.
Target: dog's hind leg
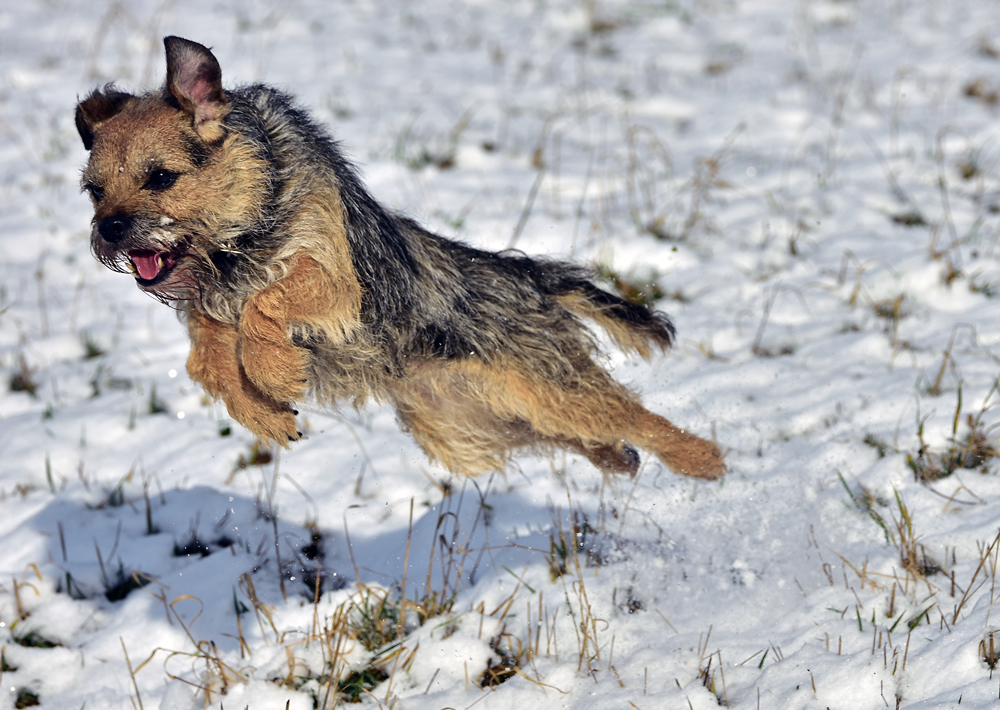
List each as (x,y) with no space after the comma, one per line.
(596,415)
(465,436)
(452,427)
(461,434)
(470,416)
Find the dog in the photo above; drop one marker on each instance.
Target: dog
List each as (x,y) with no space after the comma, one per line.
(236,208)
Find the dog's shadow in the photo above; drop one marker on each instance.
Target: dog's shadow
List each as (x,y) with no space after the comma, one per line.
(200,557)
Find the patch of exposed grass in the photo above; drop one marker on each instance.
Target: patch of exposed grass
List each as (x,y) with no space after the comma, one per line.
(375,616)
(866,501)
(909,218)
(191,546)
(156,405)
(892,311)
(259,455)
(974,449)
(32,639)
(23,378)
(565,545)
(899,531)
(989,650)
(91,348)
(511,654)
(354,687)
(881,447)
(983,90)
(123,582)
(26,699)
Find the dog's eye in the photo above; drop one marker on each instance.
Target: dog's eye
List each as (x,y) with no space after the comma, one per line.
(161,179)
(96,191)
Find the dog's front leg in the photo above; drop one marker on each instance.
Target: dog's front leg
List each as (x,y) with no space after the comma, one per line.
(214,363)
(309,295)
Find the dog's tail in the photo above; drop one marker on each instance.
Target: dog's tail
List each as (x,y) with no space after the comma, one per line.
(633,327)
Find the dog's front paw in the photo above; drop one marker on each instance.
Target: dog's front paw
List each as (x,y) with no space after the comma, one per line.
(268,419)
(279,427)
(277,369)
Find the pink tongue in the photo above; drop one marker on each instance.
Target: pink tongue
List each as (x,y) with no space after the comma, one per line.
(146,264)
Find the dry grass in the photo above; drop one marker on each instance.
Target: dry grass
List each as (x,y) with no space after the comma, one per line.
(971,449)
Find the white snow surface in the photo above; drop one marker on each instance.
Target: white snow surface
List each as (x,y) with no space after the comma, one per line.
(821,179)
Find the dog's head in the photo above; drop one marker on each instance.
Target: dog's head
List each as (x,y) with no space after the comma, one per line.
(168,180)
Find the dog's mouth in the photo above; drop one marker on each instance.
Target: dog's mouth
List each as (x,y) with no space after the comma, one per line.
(150,267)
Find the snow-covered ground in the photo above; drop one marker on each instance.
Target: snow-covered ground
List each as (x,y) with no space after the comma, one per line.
(810,187)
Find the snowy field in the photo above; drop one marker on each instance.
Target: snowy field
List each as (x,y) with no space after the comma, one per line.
(809,188)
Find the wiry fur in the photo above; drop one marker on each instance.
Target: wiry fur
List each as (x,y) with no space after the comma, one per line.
(239,209)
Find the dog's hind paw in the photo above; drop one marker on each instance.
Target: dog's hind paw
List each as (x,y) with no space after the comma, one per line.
(702,459)
(622,459)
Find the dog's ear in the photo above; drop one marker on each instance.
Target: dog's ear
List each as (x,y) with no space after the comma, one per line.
(194,80)
(97,108)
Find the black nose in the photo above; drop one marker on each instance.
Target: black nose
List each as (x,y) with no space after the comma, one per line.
(113,228)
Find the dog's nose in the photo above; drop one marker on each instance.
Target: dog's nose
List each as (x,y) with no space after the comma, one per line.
(113,228)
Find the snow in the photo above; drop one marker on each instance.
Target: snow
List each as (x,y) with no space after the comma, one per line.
(813,185)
